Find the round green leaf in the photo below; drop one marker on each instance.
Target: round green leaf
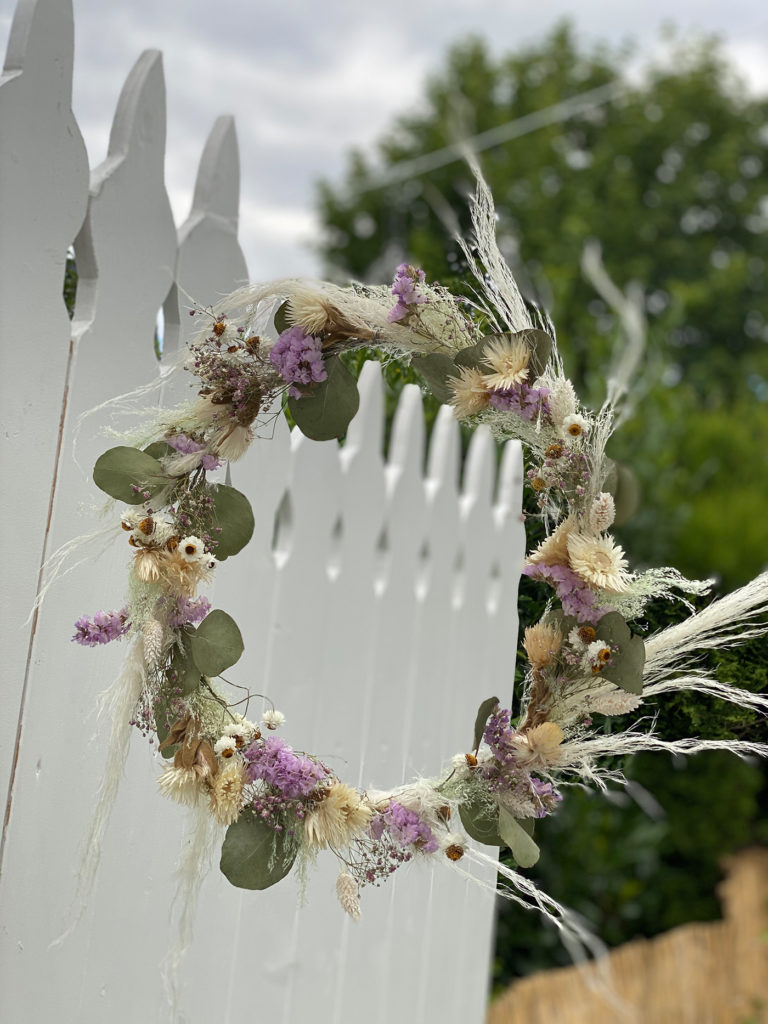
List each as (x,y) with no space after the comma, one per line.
(233,513)
(479,823)
(254,856)
(121,469)
(436,368)
(540,344)
(159,449)
(474,355)
(182,673)
(215,644)
(327,411)
(282,323)
(521,846)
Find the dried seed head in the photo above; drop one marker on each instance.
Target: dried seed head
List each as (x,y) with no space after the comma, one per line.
(444,812)
(554,451)
(538,484)
(471,760)
(219,327)
(126,526)
(147,526)
(173,542)
(454,852)
(587,635)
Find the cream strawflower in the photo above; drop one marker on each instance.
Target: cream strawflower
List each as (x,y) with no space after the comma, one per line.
(553,550)
(599,561)
(184,785)
(337,818)
(226,796)
(540,746)
(509,358)
(191,549)
(470,394)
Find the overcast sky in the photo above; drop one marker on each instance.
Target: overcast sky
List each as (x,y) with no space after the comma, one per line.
(306,80)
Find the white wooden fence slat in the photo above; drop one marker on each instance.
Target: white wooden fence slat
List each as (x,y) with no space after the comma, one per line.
(377,604)
(43,195)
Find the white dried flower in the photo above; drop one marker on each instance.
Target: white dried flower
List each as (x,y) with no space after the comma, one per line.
(599,561)
(339,816)
(470,394)
(226,746)
(192,549)
(597,655)
(574,426)
(349,894)
(226,793)
(185,785)
(273,719)
(602,513)
(242,732)
(508,358)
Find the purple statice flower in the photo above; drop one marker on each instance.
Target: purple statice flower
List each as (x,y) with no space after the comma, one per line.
(275,763)
(405,828)
(183,444)
(546,794)
(298,358)
(210,462)
(405,287)
(523,400)
(575,595)
(189,610)
(102,628)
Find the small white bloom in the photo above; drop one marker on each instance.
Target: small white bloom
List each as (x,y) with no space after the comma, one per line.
(575,426)
(226,746)
(192,549)
(273,719)
(241,731)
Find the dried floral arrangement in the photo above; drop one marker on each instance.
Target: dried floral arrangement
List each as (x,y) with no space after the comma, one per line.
(495,362)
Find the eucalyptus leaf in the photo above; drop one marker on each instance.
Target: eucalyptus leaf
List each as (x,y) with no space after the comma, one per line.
(436,368)
(522,847)
(215,644)
(159,449)
(182,673)
(626,666)
(121,469)
(474,355)
(540,344)
(484,712)
(253,855)
(327,411)
(480,824)
(282,323)
(233,513)
(162,712)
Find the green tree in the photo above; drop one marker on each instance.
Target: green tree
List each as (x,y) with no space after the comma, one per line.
(671,178)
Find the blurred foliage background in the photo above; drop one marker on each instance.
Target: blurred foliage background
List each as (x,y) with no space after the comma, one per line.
(670,177)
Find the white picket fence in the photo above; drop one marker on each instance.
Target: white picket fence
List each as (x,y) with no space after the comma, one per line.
(377,600)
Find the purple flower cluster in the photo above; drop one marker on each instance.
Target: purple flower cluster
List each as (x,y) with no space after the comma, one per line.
(275,763)
(576,597)
(405,828)
(523,400)
(298,358)
(189,610)
(546,795)
(498,734)
(186,446)
(102,628)
(405,287)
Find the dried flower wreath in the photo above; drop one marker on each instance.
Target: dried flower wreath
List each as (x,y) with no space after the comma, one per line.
(496,362)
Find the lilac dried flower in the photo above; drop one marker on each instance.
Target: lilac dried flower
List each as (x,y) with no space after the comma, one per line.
(102,628)
(405,287)
(298,358)
(275,763)
(525,401)
(189,610)
(183,444)
(576,596)
(405,828)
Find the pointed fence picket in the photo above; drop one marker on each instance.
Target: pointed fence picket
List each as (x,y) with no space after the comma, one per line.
(377,600)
